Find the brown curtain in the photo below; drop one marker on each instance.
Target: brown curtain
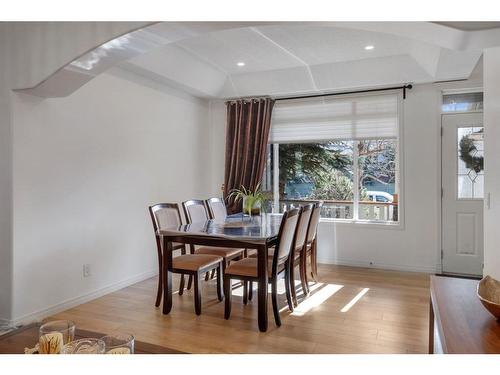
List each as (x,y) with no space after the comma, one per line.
(247,134)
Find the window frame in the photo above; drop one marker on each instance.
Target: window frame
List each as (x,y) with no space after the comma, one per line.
(356,220)
(472,90)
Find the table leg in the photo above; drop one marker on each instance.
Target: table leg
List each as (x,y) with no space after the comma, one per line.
(167,275)
(262,291)
(431,328)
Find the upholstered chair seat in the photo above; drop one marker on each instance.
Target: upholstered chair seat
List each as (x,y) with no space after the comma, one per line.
(195,262)
(248,267)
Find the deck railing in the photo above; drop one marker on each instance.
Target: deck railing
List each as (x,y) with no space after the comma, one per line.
(337,209)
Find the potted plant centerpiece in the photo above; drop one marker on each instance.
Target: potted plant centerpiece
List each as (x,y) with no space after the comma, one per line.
(252,200)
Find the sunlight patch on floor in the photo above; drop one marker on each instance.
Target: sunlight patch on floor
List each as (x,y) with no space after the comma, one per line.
(312,288)
(238,290)
(354,300)
(316,299)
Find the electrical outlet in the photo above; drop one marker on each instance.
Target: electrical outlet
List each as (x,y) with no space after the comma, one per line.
(86,270)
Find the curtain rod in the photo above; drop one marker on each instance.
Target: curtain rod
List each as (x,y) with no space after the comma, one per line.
(404,88)
(247,98)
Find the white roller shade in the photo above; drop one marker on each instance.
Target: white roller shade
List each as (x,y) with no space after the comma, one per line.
(335,118)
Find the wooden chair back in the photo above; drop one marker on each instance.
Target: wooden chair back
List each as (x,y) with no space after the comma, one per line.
(303,226)
(195,211)
(165,215)
(313,223)
(286,237)
(216,209)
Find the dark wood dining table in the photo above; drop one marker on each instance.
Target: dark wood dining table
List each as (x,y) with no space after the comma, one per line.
(236,231)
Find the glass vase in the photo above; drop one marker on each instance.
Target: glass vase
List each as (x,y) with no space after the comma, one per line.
(52,336)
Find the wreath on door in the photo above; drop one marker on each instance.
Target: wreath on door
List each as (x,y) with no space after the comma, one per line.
(469,154)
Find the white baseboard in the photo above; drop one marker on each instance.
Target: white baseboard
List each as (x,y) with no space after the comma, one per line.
(72,302)
(393,267)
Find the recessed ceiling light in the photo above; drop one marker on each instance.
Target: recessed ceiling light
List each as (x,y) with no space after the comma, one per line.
(241,63)
(370,47)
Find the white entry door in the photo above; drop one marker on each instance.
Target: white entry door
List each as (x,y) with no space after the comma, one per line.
(463,193)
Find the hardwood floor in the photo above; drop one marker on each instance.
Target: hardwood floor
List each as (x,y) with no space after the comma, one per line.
(390,317)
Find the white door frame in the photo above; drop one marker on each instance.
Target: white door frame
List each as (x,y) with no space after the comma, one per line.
(446,88)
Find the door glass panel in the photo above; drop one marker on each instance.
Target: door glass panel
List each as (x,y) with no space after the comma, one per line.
(470,162)
(479,187)
(464,187)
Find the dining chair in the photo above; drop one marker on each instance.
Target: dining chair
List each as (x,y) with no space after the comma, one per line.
(311,246)
(300,253)
(278,265)
(216,209)
(194,265)
(196,211)
(167,215)
(164,215)
(312,239)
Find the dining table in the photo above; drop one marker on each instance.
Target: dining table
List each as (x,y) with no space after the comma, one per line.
(259,232)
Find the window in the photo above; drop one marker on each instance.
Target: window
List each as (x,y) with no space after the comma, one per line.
(462,102)
(343,151)
(377,179)
(318,171)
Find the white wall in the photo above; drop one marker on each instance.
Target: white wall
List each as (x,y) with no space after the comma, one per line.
(86,169)
(413,247)
(29,52)
(492,157)
(5,181)
(5,205)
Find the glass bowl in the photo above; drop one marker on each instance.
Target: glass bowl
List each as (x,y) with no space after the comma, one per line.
(119,344)
(84,346)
